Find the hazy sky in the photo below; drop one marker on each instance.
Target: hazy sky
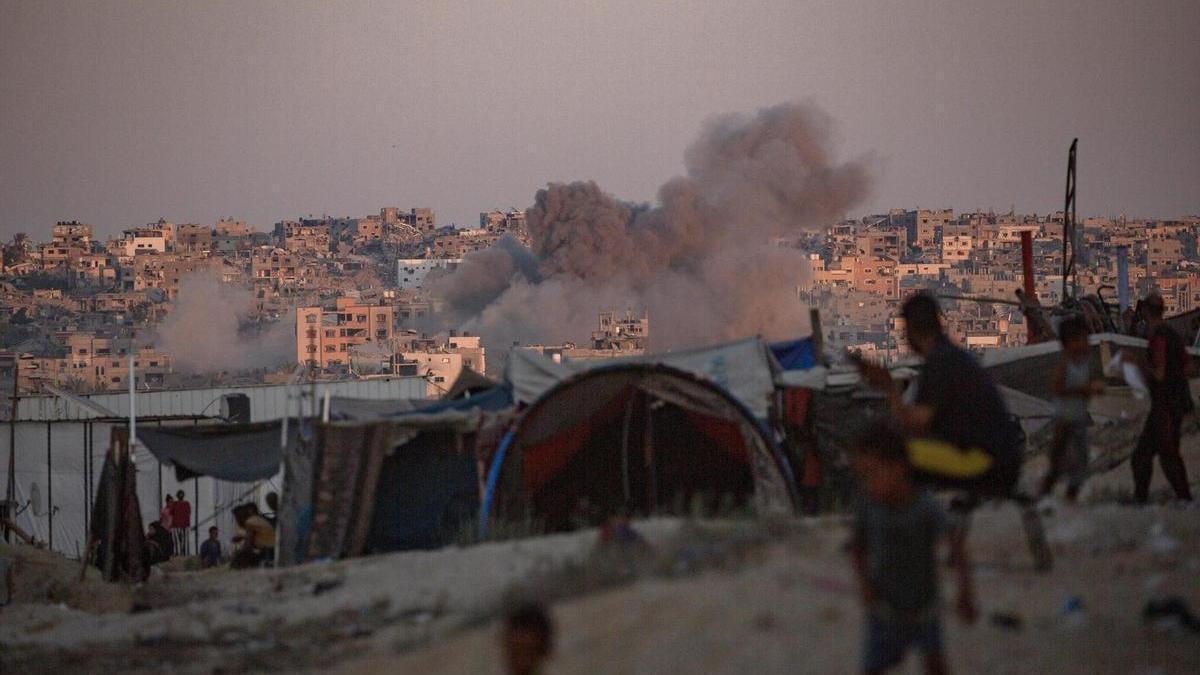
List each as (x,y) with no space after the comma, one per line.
(119,113)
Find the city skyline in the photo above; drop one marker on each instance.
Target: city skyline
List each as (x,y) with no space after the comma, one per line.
(122,113)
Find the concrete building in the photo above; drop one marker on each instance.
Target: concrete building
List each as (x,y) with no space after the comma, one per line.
(413,273)
(956,248)
(72,233)
(148,239)
(324,336)
(191,238)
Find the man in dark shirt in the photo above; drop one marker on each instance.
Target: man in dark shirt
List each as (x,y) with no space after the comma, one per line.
(210,550)
(961,434)
(1166,367)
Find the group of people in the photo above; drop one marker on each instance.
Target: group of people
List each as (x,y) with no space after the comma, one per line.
(167,536)
(252,546)
(952,429)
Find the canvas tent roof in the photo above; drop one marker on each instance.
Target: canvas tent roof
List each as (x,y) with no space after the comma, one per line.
(469,383)
(639,436)
(232,452)
(744,368)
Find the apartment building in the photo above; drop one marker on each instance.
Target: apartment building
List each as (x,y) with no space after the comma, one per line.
(956,248)
(324,337)
(412,274)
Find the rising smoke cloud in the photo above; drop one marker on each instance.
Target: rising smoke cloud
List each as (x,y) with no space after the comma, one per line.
(203,331)
(700,260)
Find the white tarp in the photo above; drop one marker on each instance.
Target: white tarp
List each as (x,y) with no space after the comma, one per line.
(743,368)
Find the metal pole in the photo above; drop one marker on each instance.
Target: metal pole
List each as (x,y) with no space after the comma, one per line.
(132,400)
(1068,262)
(10,493)
(196,512)
(49,488)
(85,483)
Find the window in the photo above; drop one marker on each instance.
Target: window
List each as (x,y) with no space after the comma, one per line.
(381,317)
(310,318)
(361,318)
(342,347)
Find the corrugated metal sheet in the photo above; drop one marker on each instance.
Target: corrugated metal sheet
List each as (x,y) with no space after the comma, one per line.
(267,402)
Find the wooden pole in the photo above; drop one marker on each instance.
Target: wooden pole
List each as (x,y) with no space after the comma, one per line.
(818,336)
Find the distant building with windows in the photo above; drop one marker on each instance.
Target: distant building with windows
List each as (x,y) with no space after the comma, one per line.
(324,337)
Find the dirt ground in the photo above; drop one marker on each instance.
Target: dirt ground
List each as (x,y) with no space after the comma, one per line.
(715,597)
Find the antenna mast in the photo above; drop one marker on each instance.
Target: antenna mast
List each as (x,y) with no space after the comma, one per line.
(1068,268)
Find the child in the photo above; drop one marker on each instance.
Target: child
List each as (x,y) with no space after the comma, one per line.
(894,548)
(1073,385)
(528,640)
(210,550)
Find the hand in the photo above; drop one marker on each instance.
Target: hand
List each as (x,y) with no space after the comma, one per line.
(965,608)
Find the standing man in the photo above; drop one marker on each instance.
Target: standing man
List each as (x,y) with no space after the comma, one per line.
(1166,367)
(180,523)
(960,432)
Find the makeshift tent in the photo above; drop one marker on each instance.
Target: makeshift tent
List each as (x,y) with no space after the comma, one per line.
(231,452)
(408,481)
(745,369)
(116,542)
(641,437)
(469,383)
(795,354)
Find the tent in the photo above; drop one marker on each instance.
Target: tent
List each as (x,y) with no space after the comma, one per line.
(469,383)
(406,480)
(230,452)
(744,368)
(639,437)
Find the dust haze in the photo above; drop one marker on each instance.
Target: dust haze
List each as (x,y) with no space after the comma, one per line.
(207,329)
(701,260)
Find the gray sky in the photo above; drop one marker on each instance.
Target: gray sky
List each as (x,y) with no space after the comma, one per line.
(118,113)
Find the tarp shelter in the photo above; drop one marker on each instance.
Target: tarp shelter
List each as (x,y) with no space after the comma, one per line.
(745,369)
(406,481)
(115,540)
(232,452)
(469,383)
(638,437)
(795,354)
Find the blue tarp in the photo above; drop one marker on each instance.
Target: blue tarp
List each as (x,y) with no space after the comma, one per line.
(795,354)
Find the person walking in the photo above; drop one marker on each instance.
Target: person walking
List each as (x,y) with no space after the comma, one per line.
(1073,383)
(1166,367)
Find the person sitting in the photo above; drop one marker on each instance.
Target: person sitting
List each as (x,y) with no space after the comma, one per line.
(256,544)
(159,544)
(210,550)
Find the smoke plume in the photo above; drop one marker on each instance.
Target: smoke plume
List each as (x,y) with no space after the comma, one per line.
(700,260)
(204,332)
